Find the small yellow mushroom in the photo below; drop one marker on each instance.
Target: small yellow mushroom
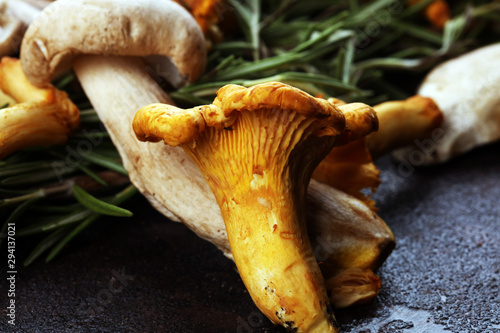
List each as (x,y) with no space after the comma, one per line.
(403,122)
(363,247)
(350,167)
(257,149)
(39,117)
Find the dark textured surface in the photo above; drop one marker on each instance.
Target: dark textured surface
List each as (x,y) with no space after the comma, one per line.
(151,275)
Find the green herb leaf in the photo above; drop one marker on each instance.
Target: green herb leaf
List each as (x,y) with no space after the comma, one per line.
(105,161)
(44,245)
(55,223)
(124,195)
(98,206)
(22,198)
(62,243)
(14,216)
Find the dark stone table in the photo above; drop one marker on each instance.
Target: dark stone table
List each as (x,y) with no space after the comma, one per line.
(147,274)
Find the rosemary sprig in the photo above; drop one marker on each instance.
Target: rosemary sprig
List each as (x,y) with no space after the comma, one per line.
(298,38)
(119,198)
(47,190)
(98,206)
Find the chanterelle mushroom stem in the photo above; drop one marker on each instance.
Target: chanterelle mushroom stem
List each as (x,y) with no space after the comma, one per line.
(257,149)
(403,122)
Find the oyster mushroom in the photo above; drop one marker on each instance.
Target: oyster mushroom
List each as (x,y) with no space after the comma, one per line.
(117,85)
(34,116)
(257,149)
(133,28)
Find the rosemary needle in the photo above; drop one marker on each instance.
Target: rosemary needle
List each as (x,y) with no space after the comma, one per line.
(124,195)
(44,245)
(44,226)
(65,81)
(83,168)
(22,198)
(98,206)
(105,161)
(14,216)
(62,243)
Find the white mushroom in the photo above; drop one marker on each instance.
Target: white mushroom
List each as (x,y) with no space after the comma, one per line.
(15,16)
(23,10)
(11,29)
(466,90)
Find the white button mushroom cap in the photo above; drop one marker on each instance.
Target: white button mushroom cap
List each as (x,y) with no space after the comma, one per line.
(467,90)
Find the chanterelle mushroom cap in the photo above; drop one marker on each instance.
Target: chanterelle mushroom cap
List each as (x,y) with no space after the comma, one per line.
(68,28)
(257,148)
(176,126)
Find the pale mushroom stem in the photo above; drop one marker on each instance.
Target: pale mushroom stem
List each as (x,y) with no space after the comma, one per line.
(117,87)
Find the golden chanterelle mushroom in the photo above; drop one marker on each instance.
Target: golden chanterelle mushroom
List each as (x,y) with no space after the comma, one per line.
(257,148)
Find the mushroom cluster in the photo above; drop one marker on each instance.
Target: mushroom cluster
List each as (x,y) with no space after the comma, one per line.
(256,148)
(118,84)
